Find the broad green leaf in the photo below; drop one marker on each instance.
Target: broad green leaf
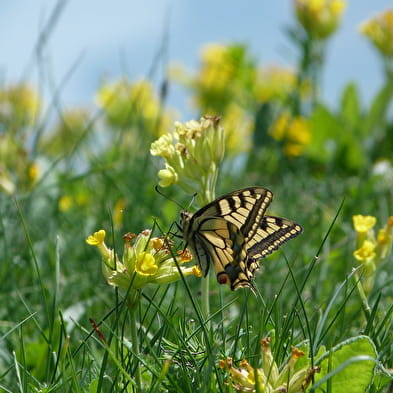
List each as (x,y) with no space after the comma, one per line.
(348,367)
(378,110)
(350,106)
(326,134)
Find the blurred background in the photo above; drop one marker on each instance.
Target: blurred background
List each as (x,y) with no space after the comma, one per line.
(89,42)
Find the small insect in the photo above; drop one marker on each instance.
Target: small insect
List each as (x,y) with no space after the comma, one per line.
(232,233)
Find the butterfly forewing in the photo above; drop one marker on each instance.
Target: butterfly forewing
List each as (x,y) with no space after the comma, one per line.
(232,233)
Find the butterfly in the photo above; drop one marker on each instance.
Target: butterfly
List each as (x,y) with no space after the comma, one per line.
(232,233)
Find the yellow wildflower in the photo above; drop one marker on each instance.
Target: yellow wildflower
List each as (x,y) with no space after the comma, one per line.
(135,105)
(379,30)
(362,223)
(269,379)
(294,132)
(145,260)
(274,83)
(319,18)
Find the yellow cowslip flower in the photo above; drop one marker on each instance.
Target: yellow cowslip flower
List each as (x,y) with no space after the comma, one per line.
(145,260)
(192,155)
(277,83)
(216,70)
(269,379)
(134,105)
(294,132)
(366,253)
(363,224)
(227,74)
(370,250)
(379,30)
(385,239)
(364,227)
(319,18)
(19,106)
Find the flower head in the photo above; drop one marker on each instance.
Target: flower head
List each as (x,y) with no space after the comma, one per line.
(319,18)
(362,223)
(379,30)
(134,105)
(192,154)
(146,259)
(371,249)
(294,132)
(269,379)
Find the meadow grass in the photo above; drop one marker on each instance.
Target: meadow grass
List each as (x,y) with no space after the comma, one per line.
(64,329)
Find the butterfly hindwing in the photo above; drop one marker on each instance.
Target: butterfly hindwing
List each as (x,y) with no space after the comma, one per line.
(232,234)
(271,233)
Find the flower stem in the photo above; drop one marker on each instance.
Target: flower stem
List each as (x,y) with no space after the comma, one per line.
(133,301)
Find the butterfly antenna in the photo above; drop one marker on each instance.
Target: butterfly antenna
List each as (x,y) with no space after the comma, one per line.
(167,197)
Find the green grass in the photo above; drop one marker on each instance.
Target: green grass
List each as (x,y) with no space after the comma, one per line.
(64,329)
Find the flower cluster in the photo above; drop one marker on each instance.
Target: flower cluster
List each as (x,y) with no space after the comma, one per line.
(133,105)
(269,379)
(192,155)
(371,249)
(225,85)
(295,132)
(146,259)
(380,32)
(319,18)
(19,109)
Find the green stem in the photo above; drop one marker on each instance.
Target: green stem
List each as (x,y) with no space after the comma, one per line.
(133,301)
(362,294)
(208,196)
(205,299)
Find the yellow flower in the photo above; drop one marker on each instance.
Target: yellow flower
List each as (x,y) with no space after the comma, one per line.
(192,155)
(362,223)
(97,238)
(19,106)
(145,260)
(146,264)
(33,172)
(366,253)
(135,105)
(65,203)
(379,30)
(275,83)
(319,18)
(268,378)
(294,132)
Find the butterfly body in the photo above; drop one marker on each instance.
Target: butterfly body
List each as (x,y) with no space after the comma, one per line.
(232,233)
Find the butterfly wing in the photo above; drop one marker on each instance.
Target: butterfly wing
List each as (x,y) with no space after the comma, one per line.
(231,233)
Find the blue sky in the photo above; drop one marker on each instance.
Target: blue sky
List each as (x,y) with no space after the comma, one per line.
(102,40)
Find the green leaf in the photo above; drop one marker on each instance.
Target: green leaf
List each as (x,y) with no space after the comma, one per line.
(350,106)
(377,115)
(326,132)
(348,367)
